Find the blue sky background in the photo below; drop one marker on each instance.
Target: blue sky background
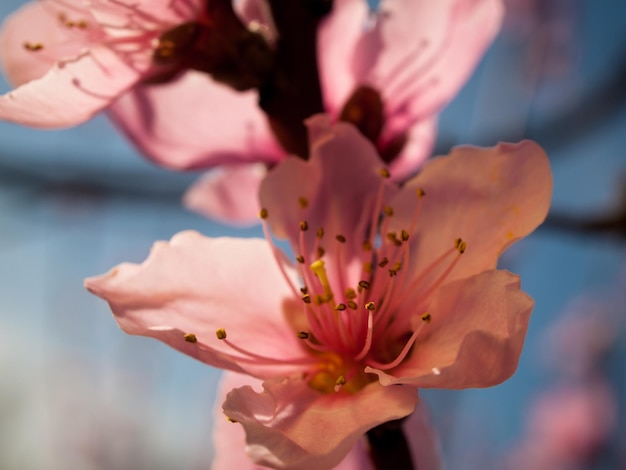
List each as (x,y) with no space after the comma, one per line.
(77,393)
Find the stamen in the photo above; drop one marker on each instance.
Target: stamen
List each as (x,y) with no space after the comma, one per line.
(371,306)
(304,290)
(220,333)
(384,172)
(304,202)
(190,338)
(306,298)
(368,337)
(341,381)
(388,211)
(303,335)
(300,259)
(263,214)
(383,262)
(304,226)
(407,347)
(340,238)
(340,307)
(320,233)
(33,46)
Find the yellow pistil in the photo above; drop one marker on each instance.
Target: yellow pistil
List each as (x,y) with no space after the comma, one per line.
(320,271)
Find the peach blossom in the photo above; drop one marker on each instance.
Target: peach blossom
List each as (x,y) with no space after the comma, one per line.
(392,289)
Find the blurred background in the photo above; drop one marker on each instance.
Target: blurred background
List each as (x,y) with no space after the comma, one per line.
(77,393)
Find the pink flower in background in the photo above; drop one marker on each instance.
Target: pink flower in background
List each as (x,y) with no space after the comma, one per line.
(416,54)
(567,427)
(414,300)
(71,59)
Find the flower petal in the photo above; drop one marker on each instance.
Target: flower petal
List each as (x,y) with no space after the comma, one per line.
(419,73)
(229,194)
(340,183)
(196,285)
(488,197)
(338,36)
(226,127)
(287,424)
(419,145)
(475,337)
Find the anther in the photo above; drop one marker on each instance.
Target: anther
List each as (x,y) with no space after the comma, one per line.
(33,46)
(340,307)
(460,245)
(300,259)
(231,420)
(383,262)
(320,251)
(320,233)
(303,335)
(220,333)
(420,192)
(427,317)
(304,202)
(367,267)
(306,298)
(352,305)
(370,306)
(392,236)
(304,226)
(190,338)
(341,380)
(367,245)
(404,235)
(388,210)
(384,172)
(350,293)
(304,290)
(364,285)
(340,238)
(263,214)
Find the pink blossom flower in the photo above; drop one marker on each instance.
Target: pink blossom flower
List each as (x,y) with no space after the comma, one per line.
(71,59)
(392,289)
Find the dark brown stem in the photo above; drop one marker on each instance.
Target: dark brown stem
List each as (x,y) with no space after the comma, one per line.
(389,448)
(294,93)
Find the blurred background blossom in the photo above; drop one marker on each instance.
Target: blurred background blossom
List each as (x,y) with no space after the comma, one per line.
(76,393)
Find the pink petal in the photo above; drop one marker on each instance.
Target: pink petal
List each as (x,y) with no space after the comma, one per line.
(225,127)
(422,439)
(287,425)
(475,337)
(338,37)
(420,53)
(488,197)
(420,143)
(340,181)
(195,284)
(229,194)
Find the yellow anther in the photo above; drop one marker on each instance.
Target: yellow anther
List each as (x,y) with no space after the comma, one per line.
(319,300)
(383,262)
(384,172)
(231,419)
(190,338)
(320,251)
(304,202)
(33,46)
(370,306)
(420,192)
(367,267)
(388,210)
(350,293)
(341,380)
(367,245)
(220,333)
(404,235)
(263,214)
(303,335)
(304,226)
(340,307)
(352,305)
(427,317)
(320,271)
(460,245)
(364,285)
(320,233)
(392,236)
(300,259)
(340,238)
(306,298)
